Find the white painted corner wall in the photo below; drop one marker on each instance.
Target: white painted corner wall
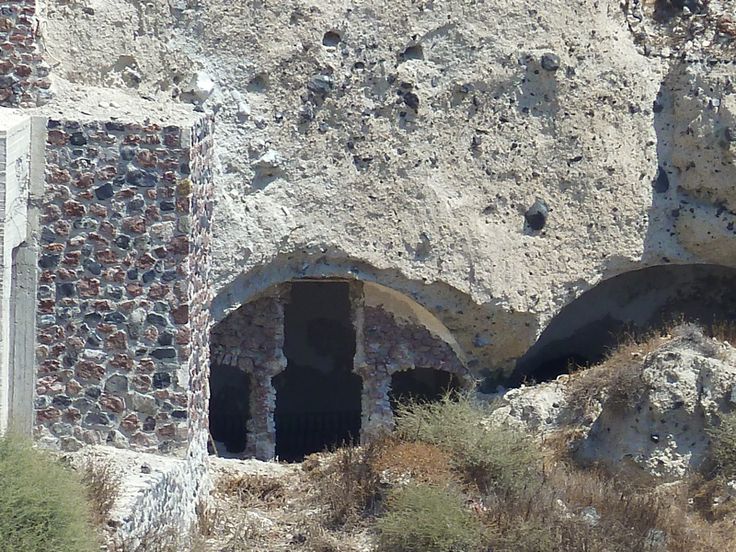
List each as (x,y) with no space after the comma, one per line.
(15,181)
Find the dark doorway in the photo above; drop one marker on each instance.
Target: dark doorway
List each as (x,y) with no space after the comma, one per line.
(421,385)
(229,409)
(318,397)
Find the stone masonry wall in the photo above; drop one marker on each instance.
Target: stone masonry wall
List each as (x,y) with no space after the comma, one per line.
(403,346)
(123,264)
(198,224)
(251,339)
(390,346)
(23,73)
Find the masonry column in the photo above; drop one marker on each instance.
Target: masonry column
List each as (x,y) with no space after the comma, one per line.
(123,294)
(271,361)
(377,416)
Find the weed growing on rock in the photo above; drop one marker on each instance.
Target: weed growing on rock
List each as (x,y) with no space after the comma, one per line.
(103,488)
(617,379)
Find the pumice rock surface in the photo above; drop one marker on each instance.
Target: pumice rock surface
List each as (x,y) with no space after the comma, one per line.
(659,425)
(417,143)
(222,221)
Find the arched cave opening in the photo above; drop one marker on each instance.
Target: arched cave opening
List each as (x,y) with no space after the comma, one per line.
(318,397)
(635,303)
(421,385)
(229,409)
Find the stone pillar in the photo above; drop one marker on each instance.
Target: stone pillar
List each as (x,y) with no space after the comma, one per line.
(252,338)
(268,330)
(123,298)
(261,426)
(377,416)
(24,75)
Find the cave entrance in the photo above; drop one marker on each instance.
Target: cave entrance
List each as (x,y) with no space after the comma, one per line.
(229,409)
(318,397)
(422,385)
(635,303)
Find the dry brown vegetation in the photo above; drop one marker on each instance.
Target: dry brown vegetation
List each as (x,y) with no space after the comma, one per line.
(617,378)
(103,487)
(348,486)
(723,331)
(393,495)
(414,461)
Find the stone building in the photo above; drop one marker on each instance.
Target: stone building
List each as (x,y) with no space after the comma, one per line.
(248,230)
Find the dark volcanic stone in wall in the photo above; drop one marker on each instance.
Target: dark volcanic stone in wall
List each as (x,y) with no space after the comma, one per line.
(401,346)
(123,301)
(24,75)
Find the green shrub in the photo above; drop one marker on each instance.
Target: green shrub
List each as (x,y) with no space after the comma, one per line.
(42,504)
(493,457)
(723,446)
(429,519)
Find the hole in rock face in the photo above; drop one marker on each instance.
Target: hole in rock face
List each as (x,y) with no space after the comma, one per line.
(421,385)
(636,303)
(258,84)
(229,408)
(331,39)
(318,397)
(412,52)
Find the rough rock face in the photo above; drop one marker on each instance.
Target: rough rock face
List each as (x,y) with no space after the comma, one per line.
(681,389)
(686,390)
(511,156)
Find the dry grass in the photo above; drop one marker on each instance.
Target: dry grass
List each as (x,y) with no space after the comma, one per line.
(348,485)
(556,505)
(618,378)
(414,461)
(103,488)
(251,490)
(588,510)
(723,331)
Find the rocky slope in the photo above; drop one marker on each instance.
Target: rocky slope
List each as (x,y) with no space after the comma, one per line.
(647,408)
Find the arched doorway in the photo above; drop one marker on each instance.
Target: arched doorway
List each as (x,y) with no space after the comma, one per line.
(319,355)
(318,396)
(229,409)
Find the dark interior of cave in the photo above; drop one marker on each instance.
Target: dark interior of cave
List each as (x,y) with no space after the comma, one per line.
(421,385)
(318,397)
(633,304)
(229,400)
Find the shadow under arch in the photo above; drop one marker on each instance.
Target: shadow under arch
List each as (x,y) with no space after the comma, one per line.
(635,302)
(490,336)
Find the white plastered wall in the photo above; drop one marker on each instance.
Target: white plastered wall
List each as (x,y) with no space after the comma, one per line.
(15,165)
